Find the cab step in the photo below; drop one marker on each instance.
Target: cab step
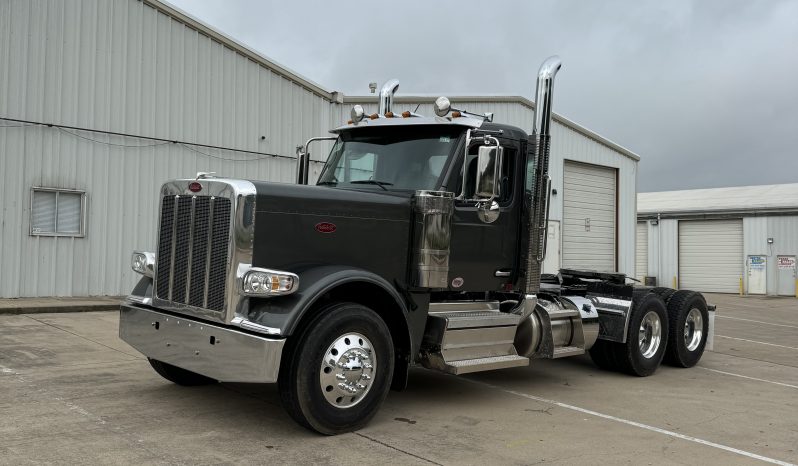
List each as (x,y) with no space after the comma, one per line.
(467,366)
(565,351)
(470,336)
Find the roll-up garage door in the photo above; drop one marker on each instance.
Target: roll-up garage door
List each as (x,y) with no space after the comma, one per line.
(589,213)
(710,255)
(641,251)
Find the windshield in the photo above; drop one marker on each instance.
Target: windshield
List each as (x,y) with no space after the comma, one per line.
(390,158)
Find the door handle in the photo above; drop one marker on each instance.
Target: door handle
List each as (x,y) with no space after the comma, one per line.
(502,273)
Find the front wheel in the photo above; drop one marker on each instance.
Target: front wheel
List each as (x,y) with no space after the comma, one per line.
(337,372)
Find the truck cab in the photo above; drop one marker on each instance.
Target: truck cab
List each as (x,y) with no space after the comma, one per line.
(421,243)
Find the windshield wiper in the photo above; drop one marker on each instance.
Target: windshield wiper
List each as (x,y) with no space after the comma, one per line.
(381,184)
(326,183)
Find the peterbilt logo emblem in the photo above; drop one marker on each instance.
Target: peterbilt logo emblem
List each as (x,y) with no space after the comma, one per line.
(325,227)
(195,187)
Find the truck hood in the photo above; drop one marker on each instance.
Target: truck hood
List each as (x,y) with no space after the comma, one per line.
(300,226)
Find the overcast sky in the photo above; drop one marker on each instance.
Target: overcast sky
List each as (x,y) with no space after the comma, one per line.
(706,92)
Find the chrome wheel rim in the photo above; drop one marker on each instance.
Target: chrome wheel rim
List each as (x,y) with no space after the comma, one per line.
(693,329)
(347,370)
(650,334)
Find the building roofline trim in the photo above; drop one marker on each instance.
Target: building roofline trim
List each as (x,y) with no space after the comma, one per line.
(213,33)
(686,214)
(502,98)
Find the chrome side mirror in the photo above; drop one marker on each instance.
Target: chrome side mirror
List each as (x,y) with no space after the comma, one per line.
(488,170)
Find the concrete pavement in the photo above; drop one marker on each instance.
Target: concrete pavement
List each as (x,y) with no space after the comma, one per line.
(72,392)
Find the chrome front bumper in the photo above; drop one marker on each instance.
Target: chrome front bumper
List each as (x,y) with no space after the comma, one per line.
(220,353)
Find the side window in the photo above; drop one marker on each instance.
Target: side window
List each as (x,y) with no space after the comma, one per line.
(57,212)
(529,178)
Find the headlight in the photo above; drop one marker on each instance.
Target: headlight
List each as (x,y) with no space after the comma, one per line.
(264,282)
(143,263)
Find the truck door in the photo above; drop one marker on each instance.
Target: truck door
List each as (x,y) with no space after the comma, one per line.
(482,255)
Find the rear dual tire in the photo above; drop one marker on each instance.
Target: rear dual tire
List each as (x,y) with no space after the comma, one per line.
(689,323)
(646,339)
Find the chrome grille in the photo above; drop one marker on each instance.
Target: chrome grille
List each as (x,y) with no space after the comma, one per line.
(193,247)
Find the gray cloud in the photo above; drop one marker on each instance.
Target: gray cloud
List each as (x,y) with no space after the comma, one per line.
(705,91)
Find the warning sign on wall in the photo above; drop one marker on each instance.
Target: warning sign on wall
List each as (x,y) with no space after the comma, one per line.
(757,262)
(786,262)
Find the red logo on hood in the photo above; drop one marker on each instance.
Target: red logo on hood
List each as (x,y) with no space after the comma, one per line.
(325,227)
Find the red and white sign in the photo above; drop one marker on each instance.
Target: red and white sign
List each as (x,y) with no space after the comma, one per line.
(786,262)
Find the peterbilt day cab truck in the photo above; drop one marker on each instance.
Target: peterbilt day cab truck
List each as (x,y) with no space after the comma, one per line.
(420,244)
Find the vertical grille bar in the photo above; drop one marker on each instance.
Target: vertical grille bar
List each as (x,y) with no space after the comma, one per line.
(181,250)
(208,254)
(199,252)
(190,254)
(172,248)
(165,247)
(220,226)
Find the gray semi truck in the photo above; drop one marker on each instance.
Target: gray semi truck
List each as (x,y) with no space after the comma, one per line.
(421,243)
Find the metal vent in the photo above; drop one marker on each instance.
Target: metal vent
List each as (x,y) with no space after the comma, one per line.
(193,251)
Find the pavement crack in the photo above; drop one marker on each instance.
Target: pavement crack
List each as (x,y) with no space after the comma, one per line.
(79,336)
(397,449)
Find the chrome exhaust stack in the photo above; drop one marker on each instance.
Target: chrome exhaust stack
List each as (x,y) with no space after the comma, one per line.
(533,336)
(539,209)
(386,97)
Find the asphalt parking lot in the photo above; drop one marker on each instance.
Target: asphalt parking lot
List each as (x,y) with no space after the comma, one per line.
(72,392)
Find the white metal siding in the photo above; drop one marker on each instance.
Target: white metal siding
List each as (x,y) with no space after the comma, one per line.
(641,253)
(125,66)
(589,217)
(710,255)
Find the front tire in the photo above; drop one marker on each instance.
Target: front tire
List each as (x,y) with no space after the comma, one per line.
(689,323)
(337,372)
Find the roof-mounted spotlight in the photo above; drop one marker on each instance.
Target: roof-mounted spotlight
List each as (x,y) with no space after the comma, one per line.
(442,106)
(357,114)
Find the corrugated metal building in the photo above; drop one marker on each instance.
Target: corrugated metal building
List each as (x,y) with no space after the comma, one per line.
(101,101)
(739,239)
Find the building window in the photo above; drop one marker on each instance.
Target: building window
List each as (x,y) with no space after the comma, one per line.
(57,212)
